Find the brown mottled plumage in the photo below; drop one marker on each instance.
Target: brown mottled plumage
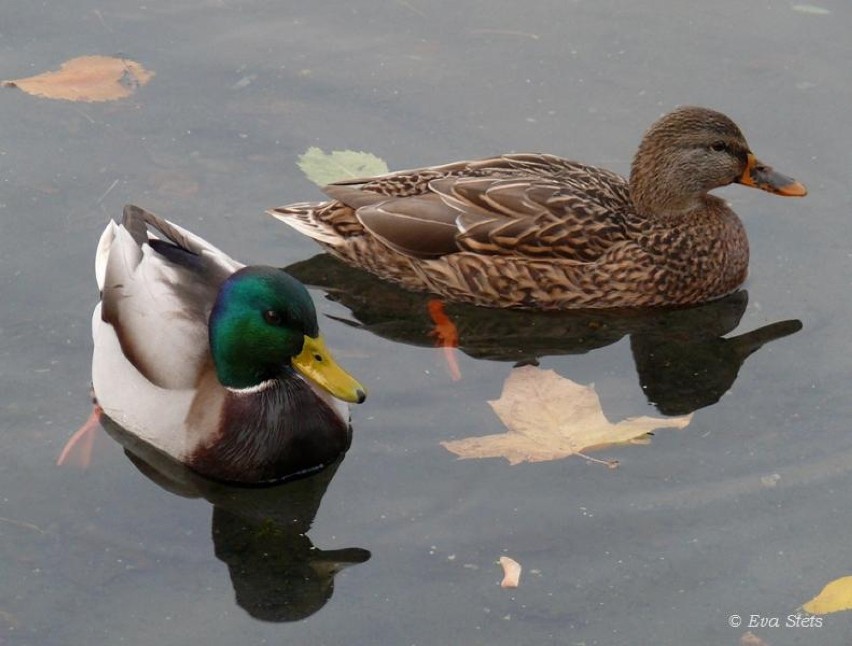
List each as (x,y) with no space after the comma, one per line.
(541,232)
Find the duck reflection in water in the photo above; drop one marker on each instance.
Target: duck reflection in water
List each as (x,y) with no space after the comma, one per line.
(682,357)
(259,533)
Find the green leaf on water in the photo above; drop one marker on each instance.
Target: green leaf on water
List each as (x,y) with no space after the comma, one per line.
(324,168)
(811,9)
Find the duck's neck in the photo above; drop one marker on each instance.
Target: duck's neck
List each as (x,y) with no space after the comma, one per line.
(241,377)
(665,186)
(244,360)
(661,193)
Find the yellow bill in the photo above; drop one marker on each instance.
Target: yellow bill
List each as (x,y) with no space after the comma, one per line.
(315,362)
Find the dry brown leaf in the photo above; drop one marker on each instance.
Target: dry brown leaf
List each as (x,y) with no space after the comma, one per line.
(87,78)
(549,418)
(511,572)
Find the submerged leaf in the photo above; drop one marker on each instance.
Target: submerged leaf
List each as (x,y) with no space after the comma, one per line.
(811,9)
(835,596)
(549,417)
(324,168)
(87,78)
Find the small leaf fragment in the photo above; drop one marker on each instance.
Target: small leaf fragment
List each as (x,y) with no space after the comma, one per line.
(324,168)
(750,639)
(87,78)
(835,596)
(770,480)
(511,572)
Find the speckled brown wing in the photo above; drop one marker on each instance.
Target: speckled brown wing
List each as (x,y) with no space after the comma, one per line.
(538,206)
(421,226)
(533,218)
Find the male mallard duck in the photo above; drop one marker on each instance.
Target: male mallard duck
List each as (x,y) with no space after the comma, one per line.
(219,365)
(541,232)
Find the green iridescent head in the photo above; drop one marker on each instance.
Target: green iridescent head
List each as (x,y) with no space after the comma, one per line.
(263,325)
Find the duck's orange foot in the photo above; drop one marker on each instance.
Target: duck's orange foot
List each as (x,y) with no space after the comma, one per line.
(446,336)
(77,451)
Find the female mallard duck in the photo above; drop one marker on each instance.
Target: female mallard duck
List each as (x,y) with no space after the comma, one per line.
(541,232)
(219,365)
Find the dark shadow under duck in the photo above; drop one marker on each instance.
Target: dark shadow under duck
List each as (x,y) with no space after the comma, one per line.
(261,534)
(683,358)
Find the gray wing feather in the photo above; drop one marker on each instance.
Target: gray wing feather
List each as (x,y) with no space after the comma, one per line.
(157,294)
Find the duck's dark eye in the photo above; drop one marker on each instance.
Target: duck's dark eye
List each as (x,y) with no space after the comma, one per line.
(273,318)
(719,147)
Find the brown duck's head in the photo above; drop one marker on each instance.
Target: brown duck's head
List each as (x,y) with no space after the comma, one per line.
(691,151)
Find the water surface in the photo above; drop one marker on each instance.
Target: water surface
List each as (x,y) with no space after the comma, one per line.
(743,512)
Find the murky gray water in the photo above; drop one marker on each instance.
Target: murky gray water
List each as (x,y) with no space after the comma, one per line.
(745,511)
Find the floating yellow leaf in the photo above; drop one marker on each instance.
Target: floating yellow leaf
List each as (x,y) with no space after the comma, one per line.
(549,418)
(324,168)
(87,78)
(835,596)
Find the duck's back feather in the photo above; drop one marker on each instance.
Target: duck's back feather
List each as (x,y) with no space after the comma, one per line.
(540,206)
(157,294)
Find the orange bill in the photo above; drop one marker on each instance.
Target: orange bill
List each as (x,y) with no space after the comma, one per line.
(759,175)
